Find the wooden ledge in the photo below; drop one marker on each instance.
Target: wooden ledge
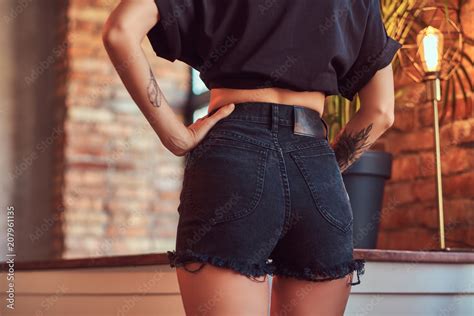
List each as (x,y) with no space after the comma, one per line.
(413,256)
(162,259)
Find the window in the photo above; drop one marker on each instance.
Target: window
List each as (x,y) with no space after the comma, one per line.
(199,98)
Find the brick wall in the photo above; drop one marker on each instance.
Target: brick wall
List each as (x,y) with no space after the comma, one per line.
(121,186)
(410,215)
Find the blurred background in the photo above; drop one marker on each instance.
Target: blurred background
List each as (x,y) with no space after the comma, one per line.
(87,177)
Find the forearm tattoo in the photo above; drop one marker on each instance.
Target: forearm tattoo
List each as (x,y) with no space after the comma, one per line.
(348,147)
(154,92)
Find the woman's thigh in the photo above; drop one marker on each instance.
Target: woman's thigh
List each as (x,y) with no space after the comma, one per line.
(220,291)
(291,296)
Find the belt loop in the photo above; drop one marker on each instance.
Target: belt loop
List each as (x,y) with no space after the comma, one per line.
(327,128)
(275,117)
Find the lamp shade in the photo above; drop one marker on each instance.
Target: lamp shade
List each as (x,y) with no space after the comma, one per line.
(430,43)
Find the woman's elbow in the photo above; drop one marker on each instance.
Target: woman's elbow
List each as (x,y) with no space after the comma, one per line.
(387,117)
(130,22)
(382,115)
(113,34)
(117,29)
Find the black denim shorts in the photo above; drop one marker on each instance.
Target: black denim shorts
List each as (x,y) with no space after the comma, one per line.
(263,194)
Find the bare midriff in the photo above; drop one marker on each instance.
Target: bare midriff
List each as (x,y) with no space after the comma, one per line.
(223,96)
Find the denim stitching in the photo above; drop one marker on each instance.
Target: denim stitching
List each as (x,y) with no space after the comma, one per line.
(326,149)
(183,203)
(283,173)
(216,133)
(286,188)
(246,119)
(235,144)
(255,198)
(319,142)
(326,214)
(191,159)
(261,119)
(314,155)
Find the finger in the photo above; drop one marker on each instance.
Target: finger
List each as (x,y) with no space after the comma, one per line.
(206,123)
(222,112)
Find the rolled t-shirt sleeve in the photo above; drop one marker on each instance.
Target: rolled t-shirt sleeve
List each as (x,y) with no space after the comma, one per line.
(376,52)
(171,37)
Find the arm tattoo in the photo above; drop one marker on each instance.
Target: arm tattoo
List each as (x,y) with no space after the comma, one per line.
(348,147)
(154,92)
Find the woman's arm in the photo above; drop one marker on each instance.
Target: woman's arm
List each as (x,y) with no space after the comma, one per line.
(375,116)
(122,36)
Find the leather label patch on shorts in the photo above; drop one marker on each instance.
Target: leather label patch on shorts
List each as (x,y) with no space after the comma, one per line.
(306,122)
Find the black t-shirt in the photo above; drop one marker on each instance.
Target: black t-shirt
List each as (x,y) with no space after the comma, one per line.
(333,46)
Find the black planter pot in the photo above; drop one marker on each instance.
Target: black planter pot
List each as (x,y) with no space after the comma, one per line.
(365,183)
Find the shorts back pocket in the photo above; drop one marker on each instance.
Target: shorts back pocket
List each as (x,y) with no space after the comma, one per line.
(224,180)
(319,167)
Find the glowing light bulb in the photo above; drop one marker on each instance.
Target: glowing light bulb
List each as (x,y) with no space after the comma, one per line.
(430,41)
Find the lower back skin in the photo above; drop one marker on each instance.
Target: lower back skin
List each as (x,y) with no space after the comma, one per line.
(310,99)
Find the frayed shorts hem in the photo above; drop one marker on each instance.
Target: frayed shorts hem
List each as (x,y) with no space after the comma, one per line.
(254,270)
(250,270)
(324,274)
